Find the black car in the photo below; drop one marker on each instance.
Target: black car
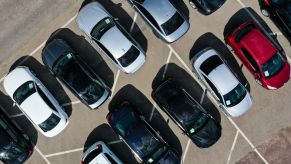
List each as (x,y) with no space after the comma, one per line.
(15,146)
(280,13)
(187,113)
(69,67)
(146,144)
(206,7)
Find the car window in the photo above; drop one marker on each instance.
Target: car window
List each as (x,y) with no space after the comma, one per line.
(102,27)
(272,66)
(250,59)
(235,96)
(243,32)
(45,98)
(129,57)
(210,64)
(123,124)
(214,89)
(112,161)
(172,24)
(51,122)
(24,91)
(10,152)
(148,16)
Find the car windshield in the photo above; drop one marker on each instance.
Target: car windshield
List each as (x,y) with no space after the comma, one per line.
(157,155)
(235,96)
(50,122)
(129,57)
(273,65)
(101,27)
(125,123)
(210,64)
(12,152)
(72,73)
(24,91)
(172,24)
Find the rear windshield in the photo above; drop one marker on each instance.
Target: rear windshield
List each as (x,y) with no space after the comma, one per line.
(50,123)
(172,24)
(243,32)
(102,27)
(129,57)
(210,64)
(24,91)
(235,96)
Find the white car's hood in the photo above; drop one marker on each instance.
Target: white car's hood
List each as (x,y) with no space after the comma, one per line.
(241,107)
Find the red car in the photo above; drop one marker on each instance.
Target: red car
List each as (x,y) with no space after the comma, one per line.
(264,60)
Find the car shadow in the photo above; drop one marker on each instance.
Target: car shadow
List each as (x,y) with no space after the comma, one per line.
(116,10)
(245,14)
(210,40)
(85,50)
(186,81)
(47,79)
(105,133)
(151,114)
(21,121)
(181,6)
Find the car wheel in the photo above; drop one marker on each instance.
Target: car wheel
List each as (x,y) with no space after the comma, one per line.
(265,12)
(229,47)
(258,82)
(192,5)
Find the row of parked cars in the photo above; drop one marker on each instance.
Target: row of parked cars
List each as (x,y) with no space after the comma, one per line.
(263,58)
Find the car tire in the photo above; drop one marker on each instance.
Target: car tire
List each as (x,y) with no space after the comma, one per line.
(192,5)
(229,47)
(265,12)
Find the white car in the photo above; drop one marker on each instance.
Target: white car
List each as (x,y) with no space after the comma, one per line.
(99,153)
(220,81)
(35,101)
(106,33)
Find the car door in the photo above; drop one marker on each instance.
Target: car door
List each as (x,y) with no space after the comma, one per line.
(251,64)
(213,90)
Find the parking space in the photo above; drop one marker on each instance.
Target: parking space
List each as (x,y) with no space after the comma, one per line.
(269,114)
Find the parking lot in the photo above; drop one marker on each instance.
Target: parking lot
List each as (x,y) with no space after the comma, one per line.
(242,135)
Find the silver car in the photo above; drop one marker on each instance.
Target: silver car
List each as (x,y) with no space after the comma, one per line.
(166,21)
(106,33)
(219,80)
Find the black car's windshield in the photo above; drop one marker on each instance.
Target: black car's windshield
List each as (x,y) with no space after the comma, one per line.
(125,123)
(24,91)
(157,155)
(101,27)
(50,123)
(172,24)
(129,56)
(72,73)
(235,96)
(273,65)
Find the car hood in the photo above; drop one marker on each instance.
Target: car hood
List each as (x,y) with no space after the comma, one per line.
(280,79)
(208,134)
(89,16)
(242,107)
(115,42)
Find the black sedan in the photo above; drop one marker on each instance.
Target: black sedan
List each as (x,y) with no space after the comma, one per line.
(15,146)
(280,13)
(147,145)
(187,113)
(69,67)
(206,7)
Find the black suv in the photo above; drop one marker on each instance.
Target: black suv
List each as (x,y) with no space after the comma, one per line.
(15,146)
(146,144)
(187,113)
(280,13)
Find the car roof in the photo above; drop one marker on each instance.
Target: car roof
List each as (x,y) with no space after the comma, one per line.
(161,10)
(256,43)
(16,78)
(36,108)
(223,79)
(115,42)
(90,15)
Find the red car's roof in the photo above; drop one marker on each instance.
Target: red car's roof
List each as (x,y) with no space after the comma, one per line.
(258,46)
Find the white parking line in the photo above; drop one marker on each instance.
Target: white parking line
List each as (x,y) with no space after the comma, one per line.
(133,22)
(63,152)
(16,115)
(40,153)
(232,147)
(186,150)
(115,82)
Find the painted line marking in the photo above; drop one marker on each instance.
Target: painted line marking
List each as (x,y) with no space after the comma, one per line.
(40,153)
(16,115)
(115,82)
(64,152)
(232,146)
(167,64)
(153,111)
(114,142)
(71,103)
(42,44)
(133,22)
(186,150)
